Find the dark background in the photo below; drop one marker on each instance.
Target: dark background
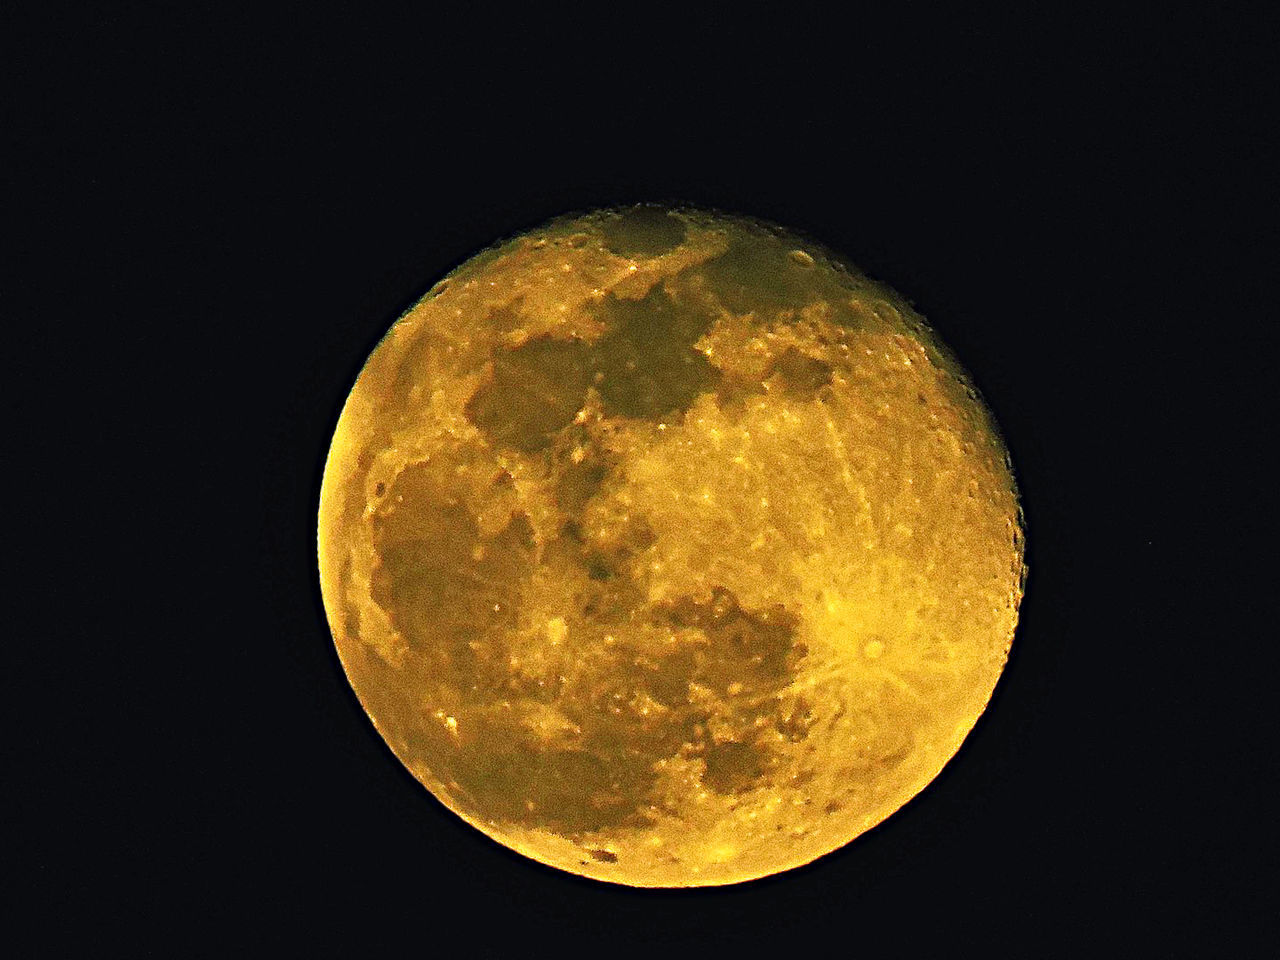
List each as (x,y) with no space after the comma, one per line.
(219,216)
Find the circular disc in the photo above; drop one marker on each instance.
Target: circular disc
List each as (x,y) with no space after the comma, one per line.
(667,549)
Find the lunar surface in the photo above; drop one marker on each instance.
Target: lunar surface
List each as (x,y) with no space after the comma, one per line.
(667,549)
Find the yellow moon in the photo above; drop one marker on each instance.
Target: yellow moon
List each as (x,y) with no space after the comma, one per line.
(666,548)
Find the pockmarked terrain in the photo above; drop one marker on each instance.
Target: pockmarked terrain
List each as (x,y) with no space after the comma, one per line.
(666,548)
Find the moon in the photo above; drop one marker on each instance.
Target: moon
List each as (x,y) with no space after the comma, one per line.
(666,548)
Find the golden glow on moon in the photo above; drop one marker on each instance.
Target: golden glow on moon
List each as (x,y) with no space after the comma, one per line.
(666,549)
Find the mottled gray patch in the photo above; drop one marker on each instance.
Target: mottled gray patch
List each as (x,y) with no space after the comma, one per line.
(645,364)
(733,767)
(800,376)
(794,719)
(748,659)
(454,594)
(580,464)
(758,276)
(534,391)
(734,392)
(451,592)
(569,791)
(643,231)
(754,649)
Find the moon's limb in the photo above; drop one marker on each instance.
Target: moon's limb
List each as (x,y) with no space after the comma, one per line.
(666,549)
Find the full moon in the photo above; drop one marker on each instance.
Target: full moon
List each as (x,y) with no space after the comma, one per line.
(666,548)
